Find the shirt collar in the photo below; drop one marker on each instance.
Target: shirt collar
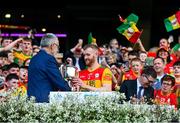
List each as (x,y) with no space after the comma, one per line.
(138,83)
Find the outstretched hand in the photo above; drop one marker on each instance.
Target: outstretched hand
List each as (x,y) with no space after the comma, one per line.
(78,82)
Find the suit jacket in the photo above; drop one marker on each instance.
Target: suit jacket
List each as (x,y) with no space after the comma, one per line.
(81,61)
(129,88)
(44,76)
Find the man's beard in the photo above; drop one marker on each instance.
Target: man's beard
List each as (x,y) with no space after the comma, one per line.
(89,62)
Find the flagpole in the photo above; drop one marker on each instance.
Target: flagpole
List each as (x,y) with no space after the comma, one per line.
(140,43)
(120,18)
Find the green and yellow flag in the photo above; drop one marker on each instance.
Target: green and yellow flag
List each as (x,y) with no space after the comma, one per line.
(172,22)
(91,39)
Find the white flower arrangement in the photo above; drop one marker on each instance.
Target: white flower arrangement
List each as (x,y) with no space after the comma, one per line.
(93,109)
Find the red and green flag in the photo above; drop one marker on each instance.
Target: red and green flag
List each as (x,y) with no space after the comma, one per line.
(130,31)
(132,18)
(172,22)
(91,39)
(128,28)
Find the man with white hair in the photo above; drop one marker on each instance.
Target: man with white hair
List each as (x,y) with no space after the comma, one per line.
(43,72)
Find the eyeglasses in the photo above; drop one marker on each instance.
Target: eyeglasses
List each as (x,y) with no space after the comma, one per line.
(57,45)
(164,83)
(148,79)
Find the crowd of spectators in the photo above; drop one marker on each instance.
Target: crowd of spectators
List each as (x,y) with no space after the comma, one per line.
(125,66)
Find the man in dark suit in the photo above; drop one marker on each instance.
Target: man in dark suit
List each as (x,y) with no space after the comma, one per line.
(43,72)
(141,87)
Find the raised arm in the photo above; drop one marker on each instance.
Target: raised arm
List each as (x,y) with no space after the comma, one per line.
(11,45)
(78,45)
(141,47)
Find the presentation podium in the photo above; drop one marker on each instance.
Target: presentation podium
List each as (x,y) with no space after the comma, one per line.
(80,96)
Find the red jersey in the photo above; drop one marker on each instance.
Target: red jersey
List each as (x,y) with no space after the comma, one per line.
(130,75)
(170,99)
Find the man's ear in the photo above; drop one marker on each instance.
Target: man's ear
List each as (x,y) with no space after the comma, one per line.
(51,46)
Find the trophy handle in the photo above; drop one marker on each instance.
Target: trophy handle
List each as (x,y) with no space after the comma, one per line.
(62,70)
(68,74)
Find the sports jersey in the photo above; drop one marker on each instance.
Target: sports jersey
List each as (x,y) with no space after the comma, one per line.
(20,91)
(160,99)
(130,75)
(97,77)
(19,57)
